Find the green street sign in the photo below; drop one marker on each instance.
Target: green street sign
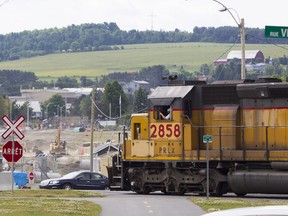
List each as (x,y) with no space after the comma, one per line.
(276,31)
(207,139)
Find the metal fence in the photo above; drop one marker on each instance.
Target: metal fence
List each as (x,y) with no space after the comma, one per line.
(46,167)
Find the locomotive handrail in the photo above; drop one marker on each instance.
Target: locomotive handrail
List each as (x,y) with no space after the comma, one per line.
(236,126)
(242,127)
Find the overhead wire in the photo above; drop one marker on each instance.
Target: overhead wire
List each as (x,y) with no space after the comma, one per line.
(266,41)
(113,118)
(225,52)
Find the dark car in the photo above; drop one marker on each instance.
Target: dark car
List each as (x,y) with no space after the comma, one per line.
(77,180)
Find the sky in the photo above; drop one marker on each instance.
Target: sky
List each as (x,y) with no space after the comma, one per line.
(166,15)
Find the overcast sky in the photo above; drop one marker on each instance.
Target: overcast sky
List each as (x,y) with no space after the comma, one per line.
(19,15)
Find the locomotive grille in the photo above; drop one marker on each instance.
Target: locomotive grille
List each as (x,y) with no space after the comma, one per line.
(278,92)
(219,95)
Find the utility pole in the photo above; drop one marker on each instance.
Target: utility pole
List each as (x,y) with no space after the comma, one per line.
(92,130)
(120,107)
(243,60)
(240,24)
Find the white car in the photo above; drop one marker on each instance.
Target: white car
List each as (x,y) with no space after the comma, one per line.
(277,210)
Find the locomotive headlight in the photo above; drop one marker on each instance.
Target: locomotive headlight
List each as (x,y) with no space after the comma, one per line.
(132,183)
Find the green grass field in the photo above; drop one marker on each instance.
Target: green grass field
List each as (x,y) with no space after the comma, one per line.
(48,203)
(134,57)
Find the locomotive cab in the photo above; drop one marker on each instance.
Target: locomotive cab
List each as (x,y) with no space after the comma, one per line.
(166,114)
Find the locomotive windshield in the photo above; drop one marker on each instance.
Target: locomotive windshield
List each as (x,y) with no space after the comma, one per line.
(164,112)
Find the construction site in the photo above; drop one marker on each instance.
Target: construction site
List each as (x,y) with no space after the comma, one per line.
(51,153)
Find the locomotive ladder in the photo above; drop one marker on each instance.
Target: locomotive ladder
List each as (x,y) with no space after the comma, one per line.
(116,183)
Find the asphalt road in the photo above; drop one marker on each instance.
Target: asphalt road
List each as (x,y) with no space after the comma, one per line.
(155,204)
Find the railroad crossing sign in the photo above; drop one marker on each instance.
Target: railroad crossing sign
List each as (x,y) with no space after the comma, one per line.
(13,127)
(8,151)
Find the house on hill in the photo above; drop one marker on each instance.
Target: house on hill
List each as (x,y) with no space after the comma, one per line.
(254,59)
(251,56)
(134,85)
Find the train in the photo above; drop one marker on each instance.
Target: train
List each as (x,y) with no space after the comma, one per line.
(236,131)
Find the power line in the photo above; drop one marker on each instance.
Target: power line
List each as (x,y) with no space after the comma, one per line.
(267,41)
(226,51)
(108,117)
(223,55)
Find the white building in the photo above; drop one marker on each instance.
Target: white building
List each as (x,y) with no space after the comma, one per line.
(131,87)
(35,106)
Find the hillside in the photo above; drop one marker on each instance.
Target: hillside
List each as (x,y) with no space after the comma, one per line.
(108,36)
(132,58)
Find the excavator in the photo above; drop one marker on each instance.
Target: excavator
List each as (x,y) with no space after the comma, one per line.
(58,147)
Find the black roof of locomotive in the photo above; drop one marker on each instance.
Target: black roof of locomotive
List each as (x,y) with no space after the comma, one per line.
(260,88)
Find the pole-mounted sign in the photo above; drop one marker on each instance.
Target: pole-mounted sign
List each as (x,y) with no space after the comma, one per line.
(13,127)
(276,31)
(12,153)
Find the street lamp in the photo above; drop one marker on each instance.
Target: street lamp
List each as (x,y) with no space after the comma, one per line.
(27,115)
(61,115)
(57,109)
(240,24)
(47,110)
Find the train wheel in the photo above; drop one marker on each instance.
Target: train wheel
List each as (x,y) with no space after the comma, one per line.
(181,191)
(240,194)
(219,191)
(146,190)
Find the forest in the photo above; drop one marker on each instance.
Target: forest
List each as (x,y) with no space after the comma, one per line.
(108,36)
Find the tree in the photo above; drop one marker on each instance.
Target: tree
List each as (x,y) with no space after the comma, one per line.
(75,46)
(140,101)
(85,82)
(67,82)
(230,71)
(85,106)
(3,106)
(54,105)
(65,46)
(204,69)
(18,110)
(75,108)
(13,79)
(112,93)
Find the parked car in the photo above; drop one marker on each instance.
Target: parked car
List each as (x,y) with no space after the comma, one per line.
(77,180)
(277,210)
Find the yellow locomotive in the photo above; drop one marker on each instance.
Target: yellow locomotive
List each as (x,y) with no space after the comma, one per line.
(247,121)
